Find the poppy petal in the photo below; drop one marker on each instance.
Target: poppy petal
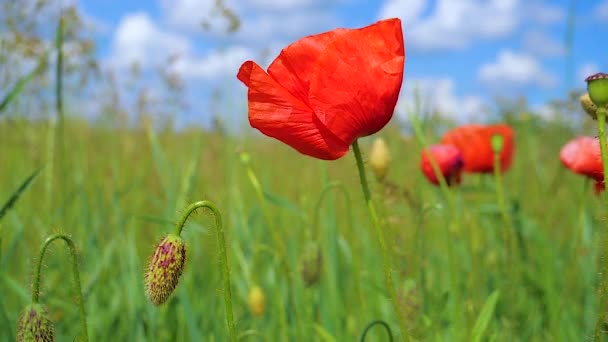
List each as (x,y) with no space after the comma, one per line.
(357,78)
(448,159)
(278,114)
(293,67)
(474,141)
(582,156)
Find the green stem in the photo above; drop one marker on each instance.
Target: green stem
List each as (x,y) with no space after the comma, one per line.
(603,285)
(224,266)
(75,273)
(388,277)
(326,190)
(374,323)
(500,197)
(275,236)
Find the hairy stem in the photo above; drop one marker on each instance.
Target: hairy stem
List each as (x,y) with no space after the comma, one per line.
(603,266)
(224,266)
(75,273)
(388,277)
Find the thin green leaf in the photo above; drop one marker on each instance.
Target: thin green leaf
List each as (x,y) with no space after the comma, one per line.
(484,317)
(15,196)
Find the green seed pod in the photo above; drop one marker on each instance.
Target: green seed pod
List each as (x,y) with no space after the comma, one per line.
(311,264)
(164,269)
(588,105)
(597,86)
(497,143)
(34,325)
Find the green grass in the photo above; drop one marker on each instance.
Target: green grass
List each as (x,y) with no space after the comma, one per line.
(116,192)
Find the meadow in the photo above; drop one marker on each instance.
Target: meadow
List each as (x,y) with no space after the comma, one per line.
(117,191)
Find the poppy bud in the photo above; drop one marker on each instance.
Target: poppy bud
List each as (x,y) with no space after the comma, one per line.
(380,158)
(164,269)
(34,325)
(588,105)
(497,143)
(257,301)
(311,264)
(597,85)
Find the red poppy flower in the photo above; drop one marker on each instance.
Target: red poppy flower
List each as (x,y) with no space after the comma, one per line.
(582,156)
(324,91)
(474,141)
(448,159)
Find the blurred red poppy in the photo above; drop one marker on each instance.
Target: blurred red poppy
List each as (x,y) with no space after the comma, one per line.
(474,141)
(324,91)
(448,159)
(582,155)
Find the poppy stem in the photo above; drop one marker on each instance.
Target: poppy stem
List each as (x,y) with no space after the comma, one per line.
(224,266)
(603,284)
(75,273)
(388,277)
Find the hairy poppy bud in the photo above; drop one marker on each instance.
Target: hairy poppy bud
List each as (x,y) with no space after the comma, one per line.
(257,301)
(34,325)
(164,269)
(588,105)
(597,85)
(311,264)
(380,158)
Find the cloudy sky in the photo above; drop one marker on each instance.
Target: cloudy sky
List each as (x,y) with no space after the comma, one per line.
(460,54)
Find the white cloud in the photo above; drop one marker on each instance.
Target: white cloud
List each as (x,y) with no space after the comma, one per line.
(515,69)
(586,70)
(261,21)
(438,95)
(214,65)
(601,11)
(455,24)
(138,39)
(541,44)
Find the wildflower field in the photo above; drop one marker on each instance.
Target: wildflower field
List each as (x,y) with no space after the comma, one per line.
(126,189)
(341,222)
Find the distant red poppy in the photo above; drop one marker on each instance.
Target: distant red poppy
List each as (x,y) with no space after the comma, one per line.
(582,155)
(448,159)
(474,141)
(324,91)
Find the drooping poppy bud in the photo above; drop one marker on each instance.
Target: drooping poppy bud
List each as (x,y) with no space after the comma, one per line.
(324,91)
(597,86)
(257,301)
(35,325)
(449,160)
(475,143)
(582,155)
(379,158)
(165,268)
(588,106)
(311,264)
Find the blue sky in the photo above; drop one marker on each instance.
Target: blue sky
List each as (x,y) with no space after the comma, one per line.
(460,54)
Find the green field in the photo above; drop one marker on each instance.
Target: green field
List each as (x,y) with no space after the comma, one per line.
(116,192)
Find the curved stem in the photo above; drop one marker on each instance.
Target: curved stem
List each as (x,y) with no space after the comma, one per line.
(374,323)
(224,266)
(75,274)
(388,277)
(603,284)
(275,236)
(329,187)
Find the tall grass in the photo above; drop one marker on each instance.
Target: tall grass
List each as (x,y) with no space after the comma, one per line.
(123,188)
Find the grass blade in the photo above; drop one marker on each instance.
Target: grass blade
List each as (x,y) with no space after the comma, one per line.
(15,196)
(484,316)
